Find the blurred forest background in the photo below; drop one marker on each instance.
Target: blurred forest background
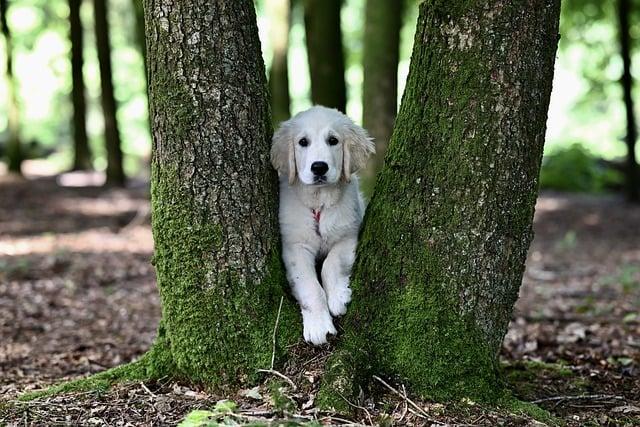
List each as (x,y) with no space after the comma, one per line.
(588,128)
(78,293)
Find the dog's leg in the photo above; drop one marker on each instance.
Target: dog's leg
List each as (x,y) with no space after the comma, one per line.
(335,275)
(301,273)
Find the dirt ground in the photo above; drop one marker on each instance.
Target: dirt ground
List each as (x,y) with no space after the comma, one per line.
(78,295)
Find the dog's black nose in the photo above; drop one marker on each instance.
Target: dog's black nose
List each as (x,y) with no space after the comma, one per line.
(319,168)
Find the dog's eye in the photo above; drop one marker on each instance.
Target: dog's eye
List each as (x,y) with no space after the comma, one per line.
(333,140)
(303,142)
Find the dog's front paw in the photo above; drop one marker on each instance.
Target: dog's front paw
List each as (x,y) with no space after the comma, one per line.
(338,297)
(317,324)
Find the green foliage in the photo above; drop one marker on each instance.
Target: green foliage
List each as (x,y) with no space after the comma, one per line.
(100,382)
(220,415)
(226,413)
(576,169)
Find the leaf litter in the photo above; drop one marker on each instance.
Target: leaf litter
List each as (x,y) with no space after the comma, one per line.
(78,295)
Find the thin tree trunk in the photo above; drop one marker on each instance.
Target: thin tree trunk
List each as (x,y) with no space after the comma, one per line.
(325,52)
(279,12)
(383,22)
(446,234)
(115,172)
(81,152)
(14,150)
(214,193)
(138,10)
(633,173)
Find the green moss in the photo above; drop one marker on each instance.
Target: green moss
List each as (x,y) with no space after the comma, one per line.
(438,269)
(528,409)
(100,382)
(218,328)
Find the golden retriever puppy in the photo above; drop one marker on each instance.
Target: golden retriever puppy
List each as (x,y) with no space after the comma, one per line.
(316,154)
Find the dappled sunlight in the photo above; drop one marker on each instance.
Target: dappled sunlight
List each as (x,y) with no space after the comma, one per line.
(137,240)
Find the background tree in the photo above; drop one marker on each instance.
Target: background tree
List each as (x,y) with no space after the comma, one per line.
(383,22)
(81,152)
(14,149)
(115,171)
(446,234)
(632,171)
(325,52)
(279,12)
(218,263)
(140,33)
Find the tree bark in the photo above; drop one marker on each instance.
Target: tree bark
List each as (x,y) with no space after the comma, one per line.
(280,18)
(214,193)
(81,152)
(115,172)
(446,234)
(632,172)
(14,149)
(325,52)
(383,22)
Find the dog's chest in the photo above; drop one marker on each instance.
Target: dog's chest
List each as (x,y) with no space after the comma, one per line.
(327,225)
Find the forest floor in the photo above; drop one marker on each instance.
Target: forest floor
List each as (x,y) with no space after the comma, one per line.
(78,295)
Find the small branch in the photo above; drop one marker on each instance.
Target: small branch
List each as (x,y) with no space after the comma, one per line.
(583,397)
(406,406)
(411,402)
(281,375)
(144,387)
(362,408)
(273,352)
(275,331)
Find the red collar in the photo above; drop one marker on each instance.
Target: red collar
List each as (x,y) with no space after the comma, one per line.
(316,214)
(316,217)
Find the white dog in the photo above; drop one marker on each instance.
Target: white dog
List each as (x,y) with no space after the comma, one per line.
(316,154)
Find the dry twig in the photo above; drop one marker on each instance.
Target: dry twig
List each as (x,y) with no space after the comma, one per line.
(582,397)
(411,402)
(273,352)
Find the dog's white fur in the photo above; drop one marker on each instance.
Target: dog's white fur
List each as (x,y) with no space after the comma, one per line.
(320,220)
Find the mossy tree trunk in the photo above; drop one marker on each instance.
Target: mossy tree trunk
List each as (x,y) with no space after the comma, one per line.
(14,153)
(325,52)
(115,171)
(445,237)
(382,25)
(81,151)
(632,172)
(279,12)
(214,193)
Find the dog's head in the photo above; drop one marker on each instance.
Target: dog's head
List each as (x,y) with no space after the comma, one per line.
(320,146)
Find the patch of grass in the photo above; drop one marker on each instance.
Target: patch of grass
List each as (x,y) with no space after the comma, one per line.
(530,410)
(568,242)
(524,377)
(628,276)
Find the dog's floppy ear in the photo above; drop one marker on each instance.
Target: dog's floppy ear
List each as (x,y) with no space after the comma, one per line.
(283,152)
(358,146)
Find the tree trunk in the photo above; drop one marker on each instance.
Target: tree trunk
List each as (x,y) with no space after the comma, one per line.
(280,19)
(214,193)
(633,173)
(446,234)
(383,22)
(81,152)
(14,149)
(324,49)
(115,172)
